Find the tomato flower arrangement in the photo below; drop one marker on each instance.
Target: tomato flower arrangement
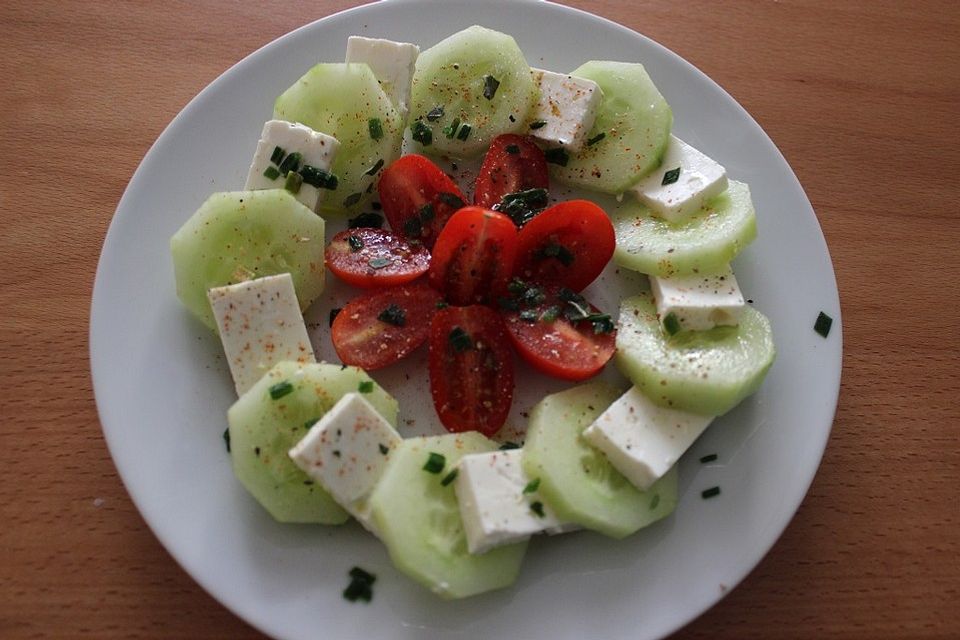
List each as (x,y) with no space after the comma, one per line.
(473,279)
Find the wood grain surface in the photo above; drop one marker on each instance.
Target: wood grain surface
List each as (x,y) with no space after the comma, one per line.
(862,98)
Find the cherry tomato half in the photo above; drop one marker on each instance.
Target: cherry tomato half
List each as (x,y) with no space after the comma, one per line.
(568,244)
(418,198)
(370,257)
(558,332)
(379,328)
(473,257)
(513,163)
(471,369)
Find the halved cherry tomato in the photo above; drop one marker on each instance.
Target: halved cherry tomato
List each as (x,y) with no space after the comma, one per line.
(558,332)
(369,257)
(473,257)
(568,244)
(471,369)
(379,328)
(513,163)
(418,198)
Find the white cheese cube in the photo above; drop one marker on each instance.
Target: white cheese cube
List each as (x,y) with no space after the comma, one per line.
(698,180)
(392,64)
(643,440)
(568,106)
(260,325)
(346,453)
(493,506)
(699,302)
(318,150)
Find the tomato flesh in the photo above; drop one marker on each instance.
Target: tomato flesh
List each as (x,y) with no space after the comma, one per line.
(379,328)
(418,198)
(473,258)
(369,257)
(568,244)
(471,369)
(513,163)
(545,329)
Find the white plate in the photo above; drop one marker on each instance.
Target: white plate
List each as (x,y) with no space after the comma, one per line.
(162,388)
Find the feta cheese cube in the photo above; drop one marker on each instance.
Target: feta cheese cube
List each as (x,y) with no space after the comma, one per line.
(698,180)
(392,64)
(568,106)
(317,149)
(641,439)
(699,302)
(260,325)
(493,506)
(346,453)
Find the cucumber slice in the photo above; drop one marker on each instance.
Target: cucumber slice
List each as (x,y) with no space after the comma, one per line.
(242,235)
(703,243)
(577,480)
(272,417)
(340,100)
(635,121)
(706,372)
(419,520)
(452,76)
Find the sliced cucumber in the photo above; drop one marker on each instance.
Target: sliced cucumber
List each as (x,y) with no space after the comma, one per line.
(577,480)
(631,130)
(242,235)
(703,243)
(418,518)
(706,372)
(273,416)
(340,100)
(476,78)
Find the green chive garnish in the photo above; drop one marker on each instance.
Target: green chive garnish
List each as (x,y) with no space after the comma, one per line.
(352,199)
(318,178)
(708,458)
(333,315)
(293,182)
(532,486)
(435,114)
(671,176)
(556,156)
(366,220)
(464,132)
(384,449)
(529,315)
(654,501)
(711,492)
(309,423)
(413,228)
(490,85)
(512,149)
(421,133)
(355,243)
(226,438)
(671,324)
(280,389)
(451,199)
(361,585)
(538,124)
(507,446)
(277,156)
(460,340)
(426,212)
(823,324)
(450,477)
(558,251)
(271,173)
(537,508)
(595,139)
(451,129)
(435,463)
(442,305)
(290,163)
(365,387)
(393,315)
(379,263)
(375,127)
(373,170)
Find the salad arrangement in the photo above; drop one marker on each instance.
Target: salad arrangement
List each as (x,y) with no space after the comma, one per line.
(477,279)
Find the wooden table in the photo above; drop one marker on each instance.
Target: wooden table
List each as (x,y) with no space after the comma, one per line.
(863,99)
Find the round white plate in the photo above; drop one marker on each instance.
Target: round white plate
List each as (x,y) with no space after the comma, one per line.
(162,388)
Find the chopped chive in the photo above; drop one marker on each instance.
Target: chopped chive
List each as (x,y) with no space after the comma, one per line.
(421,133)
(356,244)
(280,389)
(375,126)
(532,486)
(336,453)
(226,438)
(290,163)
(507,446)
(366,220)
(595,139)
(711,492)
(556,156)
(379,263)
(538,124)
(384,449)
(464,132)
(277,156)
(602,323)
(435,463)
(318,178)
(558,251)
(451,129)
(435,114)
(708,458)
(451,199)
(550,314)
(537,508)
(529,315)
(823,324)
(442,305)
(426,213)
(271,173)
(450,477)
(352,199)
(671,176)
(413,228)
(361,585)
(490,86)
(376,167)
(333,314)
(309,423)
(671,324)
(293,182)
(460,340)
(654,501)
(365,387)
(512,149)
(523,206)
(393,315)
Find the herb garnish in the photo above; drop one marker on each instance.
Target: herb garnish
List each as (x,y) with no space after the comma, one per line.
(595,139)
(435,462)
(450,477)
(318,178)
(708,458)
(490,85)
(426,213)
(711,492)
(556,156)
(376,167)
(226,438)
(281,389)
(435,114)
(460,340)
(507,446)
(464,132)
(356,244)
(671,324)
(393,315)
(361,585)
(512,149)
(421,133)
(537,508)
(375,127)
(532,486)
(671,176)
(538,124)
(277,156)
(413,228)
(371,220)
(823,324)
(290,163)
(293,182)
(365,387)
(523,206)
(450,199)
(333,314)
(654,501)
(558,251)
(384,449)
(271,173)
(352,199)
(451,129)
